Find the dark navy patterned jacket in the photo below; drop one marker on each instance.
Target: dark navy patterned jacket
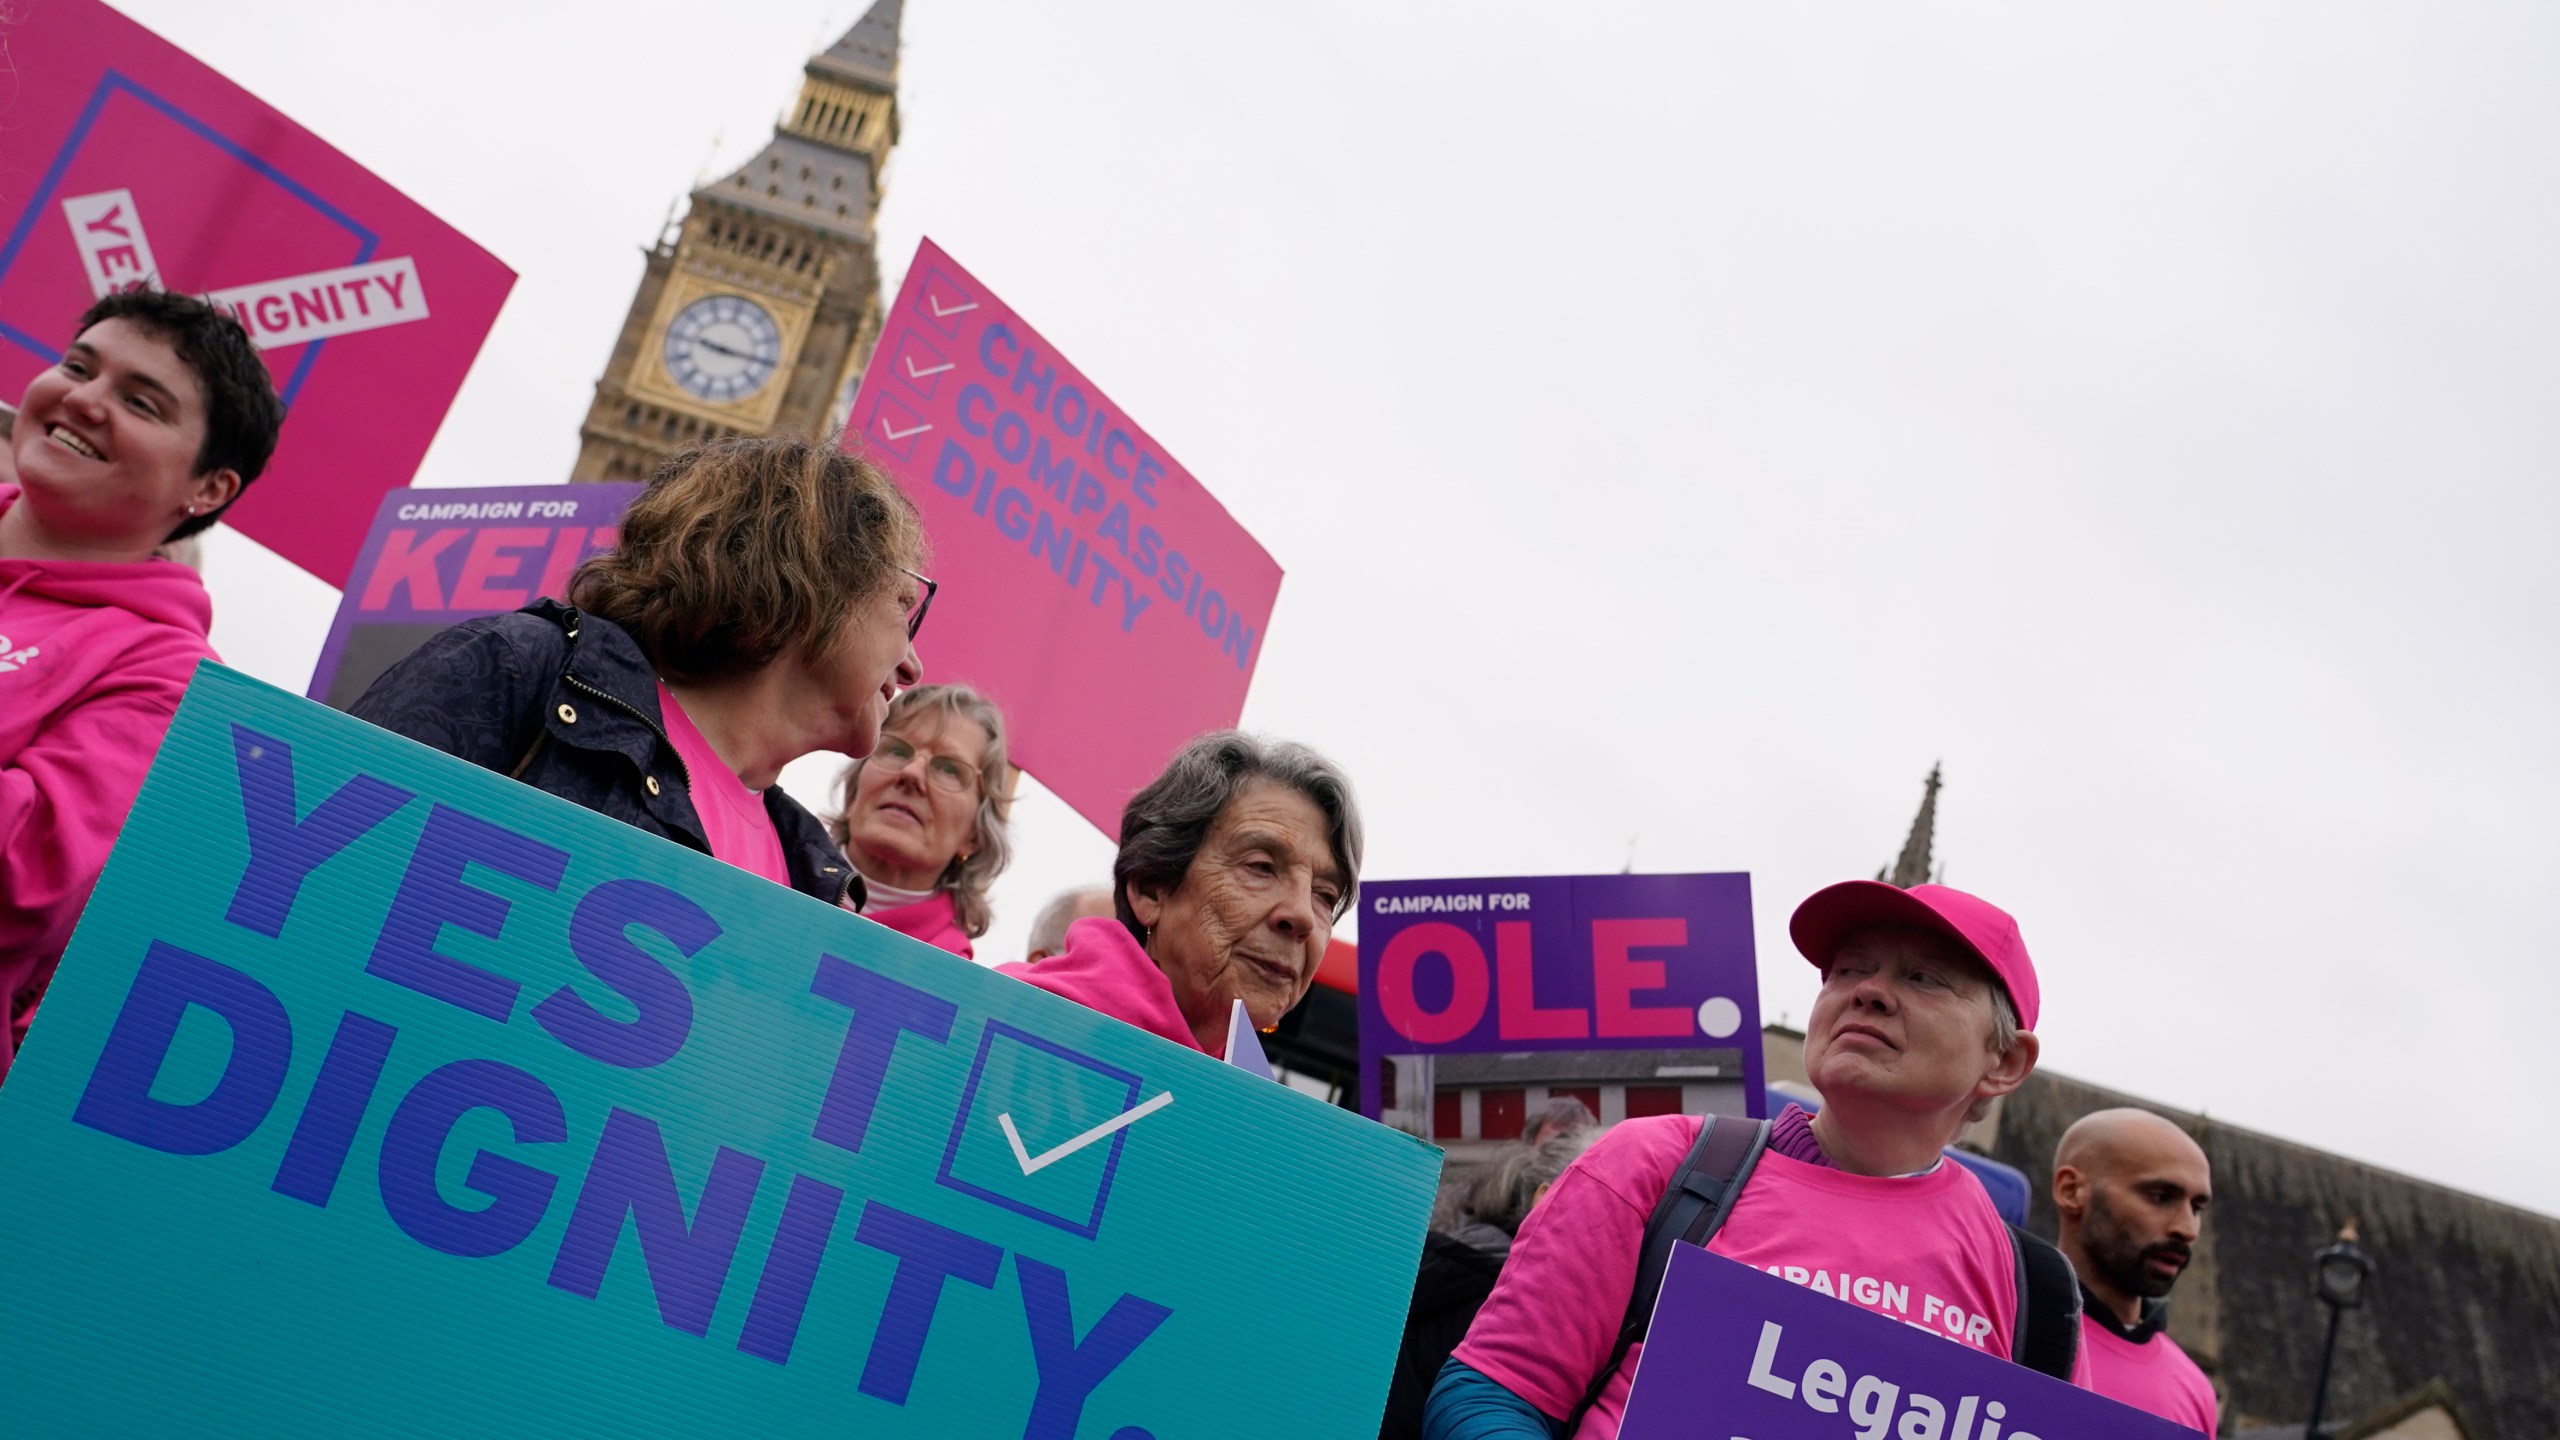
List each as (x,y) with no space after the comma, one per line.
(567,703)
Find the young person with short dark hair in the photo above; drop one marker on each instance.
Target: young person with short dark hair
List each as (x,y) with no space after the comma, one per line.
(159,415)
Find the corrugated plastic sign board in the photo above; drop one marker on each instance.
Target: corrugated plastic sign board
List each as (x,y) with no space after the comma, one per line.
(1560,962)
(1734,1351)
(130,161)
(439,555)
(1074,551)
(380,1095)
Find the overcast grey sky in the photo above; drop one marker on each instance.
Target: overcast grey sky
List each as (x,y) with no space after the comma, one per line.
(1683,424)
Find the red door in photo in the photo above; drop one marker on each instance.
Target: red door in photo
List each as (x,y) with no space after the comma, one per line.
(1589,1095)
(1643,1100)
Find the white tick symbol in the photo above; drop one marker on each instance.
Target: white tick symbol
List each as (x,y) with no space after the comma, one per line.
(1033,1164)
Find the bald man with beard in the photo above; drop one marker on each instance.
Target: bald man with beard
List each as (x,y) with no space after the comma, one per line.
(2132,1191)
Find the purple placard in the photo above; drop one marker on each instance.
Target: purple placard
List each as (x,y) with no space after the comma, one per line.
(1733,1351)
(436,557)
(1560,962)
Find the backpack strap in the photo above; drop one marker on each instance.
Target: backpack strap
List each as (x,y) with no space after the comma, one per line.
(2048,1334)
(1690,1211)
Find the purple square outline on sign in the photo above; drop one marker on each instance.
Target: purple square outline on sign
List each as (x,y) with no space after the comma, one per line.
(114,83)
(876,430)
(947,322)
(1092,1224)
(911,341)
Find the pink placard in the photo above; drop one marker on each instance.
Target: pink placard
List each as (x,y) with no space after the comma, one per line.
(127,161)
(1105,599)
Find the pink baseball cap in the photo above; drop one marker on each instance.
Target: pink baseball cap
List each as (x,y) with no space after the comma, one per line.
(1982,928)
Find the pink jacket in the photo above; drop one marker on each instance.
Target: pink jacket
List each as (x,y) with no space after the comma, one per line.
(932,920)
(93,660)
(1103,968)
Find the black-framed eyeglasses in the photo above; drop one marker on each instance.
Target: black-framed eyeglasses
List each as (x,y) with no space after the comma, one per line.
(946,773)
(915,617)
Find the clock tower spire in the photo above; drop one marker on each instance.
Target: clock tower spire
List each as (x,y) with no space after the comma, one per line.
(756,315)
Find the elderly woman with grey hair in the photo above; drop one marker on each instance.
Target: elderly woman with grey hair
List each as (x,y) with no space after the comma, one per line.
(923,816)
(1234,865)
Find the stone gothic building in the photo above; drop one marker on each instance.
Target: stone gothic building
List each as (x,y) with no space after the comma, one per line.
(757,314)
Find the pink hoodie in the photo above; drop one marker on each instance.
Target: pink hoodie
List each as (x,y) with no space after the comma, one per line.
(1104,969)
(932,920)
(93,660)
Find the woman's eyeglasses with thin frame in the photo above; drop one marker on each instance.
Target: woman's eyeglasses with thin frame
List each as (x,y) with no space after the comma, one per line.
(947,773)
(915,617)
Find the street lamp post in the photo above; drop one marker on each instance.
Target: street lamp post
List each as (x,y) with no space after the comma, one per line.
(2338,1276)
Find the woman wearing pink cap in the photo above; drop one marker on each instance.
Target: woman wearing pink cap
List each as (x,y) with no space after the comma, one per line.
(1926,1016)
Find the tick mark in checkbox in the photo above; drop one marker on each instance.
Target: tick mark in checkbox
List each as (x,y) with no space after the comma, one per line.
(1024,1089)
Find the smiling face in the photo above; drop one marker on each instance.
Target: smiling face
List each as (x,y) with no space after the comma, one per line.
(905,826)
(1252,914)
(106,445)
(1904,1019)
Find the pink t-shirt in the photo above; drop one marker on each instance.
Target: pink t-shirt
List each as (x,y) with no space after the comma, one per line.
(2154,1375)
(1928,1250)
(733,816)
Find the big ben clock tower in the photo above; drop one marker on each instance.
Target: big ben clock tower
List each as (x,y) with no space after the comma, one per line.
(761,311)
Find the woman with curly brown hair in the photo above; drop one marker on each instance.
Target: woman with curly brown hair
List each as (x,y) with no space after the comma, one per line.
(761,605)
(922,817)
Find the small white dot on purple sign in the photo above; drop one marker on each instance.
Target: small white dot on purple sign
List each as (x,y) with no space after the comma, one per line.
(1719,1018)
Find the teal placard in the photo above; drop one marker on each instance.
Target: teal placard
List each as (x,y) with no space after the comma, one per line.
(380,1095)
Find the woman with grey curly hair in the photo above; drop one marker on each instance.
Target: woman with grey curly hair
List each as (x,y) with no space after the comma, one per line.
(922,817)
(1234,865)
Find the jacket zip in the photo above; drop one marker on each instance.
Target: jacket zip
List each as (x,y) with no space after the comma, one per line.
(635,713)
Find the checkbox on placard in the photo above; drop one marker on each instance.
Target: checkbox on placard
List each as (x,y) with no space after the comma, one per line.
(1041,1129)
(132,130)
(942,303)
(895,425)
(919,364)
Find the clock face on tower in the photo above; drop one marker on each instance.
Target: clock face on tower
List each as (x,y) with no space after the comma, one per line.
(722,348)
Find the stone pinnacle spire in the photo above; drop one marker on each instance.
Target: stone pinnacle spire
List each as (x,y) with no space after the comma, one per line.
(1911,867)
(824,165)
(867,54)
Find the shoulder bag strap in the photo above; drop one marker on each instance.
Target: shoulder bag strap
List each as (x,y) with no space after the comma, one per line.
(2048,1334)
